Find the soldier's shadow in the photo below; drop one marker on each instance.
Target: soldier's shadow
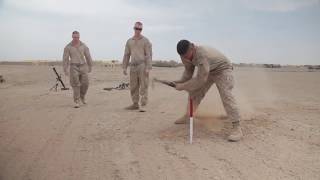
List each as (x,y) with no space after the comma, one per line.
(205,127)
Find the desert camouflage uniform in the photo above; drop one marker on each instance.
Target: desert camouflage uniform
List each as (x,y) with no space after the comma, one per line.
(213,67)
(78,61)
(140,51)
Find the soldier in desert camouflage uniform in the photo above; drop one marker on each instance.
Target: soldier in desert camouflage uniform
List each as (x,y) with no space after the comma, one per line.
(77,63)
(212,67)
(139,49)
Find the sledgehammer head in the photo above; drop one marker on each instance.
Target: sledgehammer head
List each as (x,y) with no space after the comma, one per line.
(168,83)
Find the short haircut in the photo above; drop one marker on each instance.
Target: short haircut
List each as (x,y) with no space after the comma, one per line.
(75,32)
(139,23)
(183,46)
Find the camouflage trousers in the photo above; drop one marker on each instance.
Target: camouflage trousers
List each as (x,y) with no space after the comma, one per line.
(139,83)
(79,80)
(225,83)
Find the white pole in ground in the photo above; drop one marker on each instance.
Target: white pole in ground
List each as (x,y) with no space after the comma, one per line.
(191,120)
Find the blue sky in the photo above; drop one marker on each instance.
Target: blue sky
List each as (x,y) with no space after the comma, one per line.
(249,31)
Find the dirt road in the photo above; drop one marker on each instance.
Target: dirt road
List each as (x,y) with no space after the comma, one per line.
(43,138)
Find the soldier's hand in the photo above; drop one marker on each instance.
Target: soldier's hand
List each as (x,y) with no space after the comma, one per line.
(179,86)
(125,72)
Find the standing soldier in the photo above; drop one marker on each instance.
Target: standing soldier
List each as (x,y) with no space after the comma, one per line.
(212,67)
(77,63)
(139,49)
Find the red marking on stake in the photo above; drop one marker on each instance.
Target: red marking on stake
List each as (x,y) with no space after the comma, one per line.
(191,108)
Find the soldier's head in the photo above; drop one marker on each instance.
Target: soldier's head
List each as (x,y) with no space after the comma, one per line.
(137,28)
(185,49)
(75,36)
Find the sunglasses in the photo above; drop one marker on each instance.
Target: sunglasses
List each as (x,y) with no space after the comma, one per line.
(138,29)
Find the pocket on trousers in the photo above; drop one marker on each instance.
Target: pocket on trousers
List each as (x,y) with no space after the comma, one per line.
(226,80)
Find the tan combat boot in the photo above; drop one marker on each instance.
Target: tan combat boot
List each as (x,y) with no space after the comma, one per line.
(236,133)
(134,106)
(183,120)
(144,103)
(83,100)
(77,104)
(143,107)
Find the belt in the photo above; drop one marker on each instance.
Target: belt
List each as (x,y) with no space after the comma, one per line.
(77,64)
(136,63)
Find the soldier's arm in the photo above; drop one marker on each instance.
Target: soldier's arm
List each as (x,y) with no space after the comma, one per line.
(65,60)
(201,77)
(126,56)
(88,57)
(187,74)
(148,54)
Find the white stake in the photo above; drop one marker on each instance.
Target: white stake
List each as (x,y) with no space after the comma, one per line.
(191,120)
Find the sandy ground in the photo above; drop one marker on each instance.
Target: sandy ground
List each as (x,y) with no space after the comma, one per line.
(43,138)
